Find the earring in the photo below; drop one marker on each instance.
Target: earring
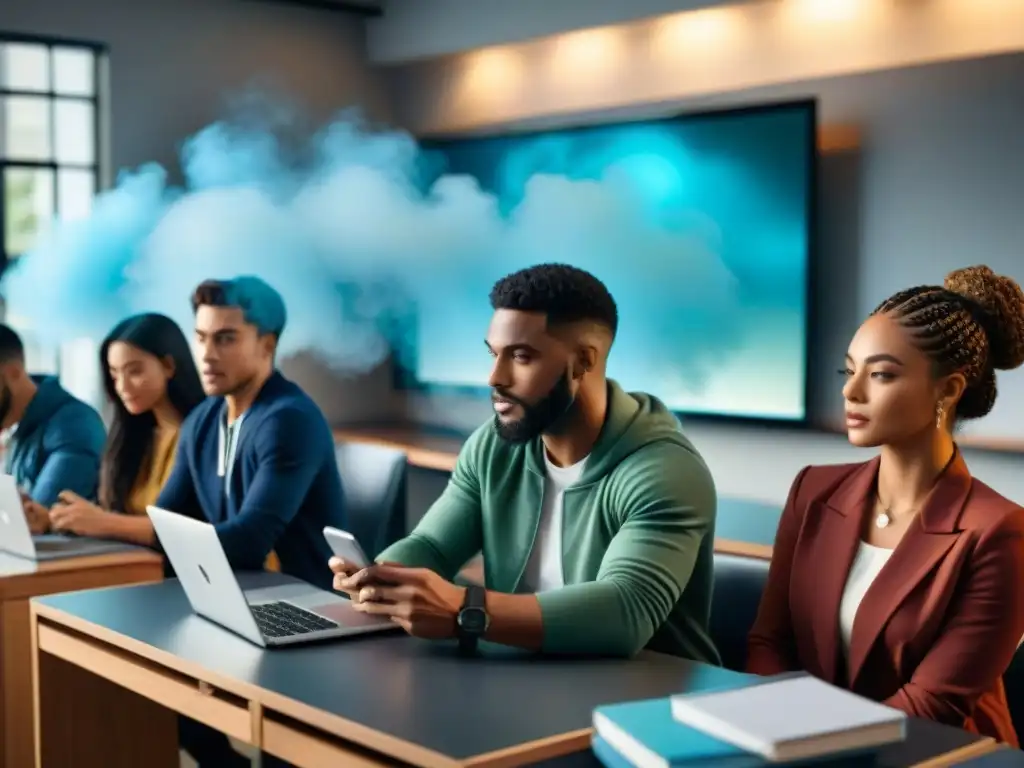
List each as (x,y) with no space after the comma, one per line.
(940,412)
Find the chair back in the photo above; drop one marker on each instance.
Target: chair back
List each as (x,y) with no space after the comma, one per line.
(1013,682)
(739,583)
(374,481)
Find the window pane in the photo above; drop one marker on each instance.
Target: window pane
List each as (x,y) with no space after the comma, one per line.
(39,359)
(27,123)
(74,132)
(79,373)
(28,207)
(74,72)
(25,67)
(75,191)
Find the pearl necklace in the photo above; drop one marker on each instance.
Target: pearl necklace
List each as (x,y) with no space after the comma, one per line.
(885,518)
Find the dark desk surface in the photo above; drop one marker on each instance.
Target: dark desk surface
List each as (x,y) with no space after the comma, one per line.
(418,692)
(925,741)
(1006,757)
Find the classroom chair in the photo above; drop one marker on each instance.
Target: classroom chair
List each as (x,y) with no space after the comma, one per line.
(374,481)
(739,582)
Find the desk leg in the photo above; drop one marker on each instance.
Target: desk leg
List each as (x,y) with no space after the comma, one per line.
(89,722)
(17,715)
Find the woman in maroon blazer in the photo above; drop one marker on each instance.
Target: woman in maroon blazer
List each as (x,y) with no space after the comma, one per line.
(902,579)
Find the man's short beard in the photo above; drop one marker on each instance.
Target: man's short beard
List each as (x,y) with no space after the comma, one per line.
(538,418)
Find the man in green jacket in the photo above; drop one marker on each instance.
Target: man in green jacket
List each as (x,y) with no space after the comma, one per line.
(594,513)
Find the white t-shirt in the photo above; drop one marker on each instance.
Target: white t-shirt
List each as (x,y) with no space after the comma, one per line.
(227,445)
(863,571)
(544,568)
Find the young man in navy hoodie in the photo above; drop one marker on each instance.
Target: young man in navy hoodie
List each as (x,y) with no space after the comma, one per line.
(256,458)
(53,441)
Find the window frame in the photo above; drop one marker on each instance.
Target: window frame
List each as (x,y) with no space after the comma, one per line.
(99,167)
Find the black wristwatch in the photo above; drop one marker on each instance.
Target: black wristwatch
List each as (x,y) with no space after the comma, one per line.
(472,621)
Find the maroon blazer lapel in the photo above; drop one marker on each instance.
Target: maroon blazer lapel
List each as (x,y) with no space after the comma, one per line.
(830,556)
(927,541)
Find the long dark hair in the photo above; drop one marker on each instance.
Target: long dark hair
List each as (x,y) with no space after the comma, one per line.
(131,437)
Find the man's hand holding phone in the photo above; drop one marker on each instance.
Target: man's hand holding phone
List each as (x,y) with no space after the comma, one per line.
(417,599)
(349,558)
(343,570)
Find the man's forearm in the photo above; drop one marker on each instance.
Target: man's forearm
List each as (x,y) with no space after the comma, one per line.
(248,541)
(515,620)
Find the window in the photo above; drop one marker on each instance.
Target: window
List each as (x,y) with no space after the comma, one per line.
(50,147)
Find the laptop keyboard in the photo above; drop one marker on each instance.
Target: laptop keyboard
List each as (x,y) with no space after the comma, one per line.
(283,619)
(49,541)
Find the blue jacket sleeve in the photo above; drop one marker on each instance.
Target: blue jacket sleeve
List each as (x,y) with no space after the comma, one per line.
(73,445)
(179,491)
(288,459)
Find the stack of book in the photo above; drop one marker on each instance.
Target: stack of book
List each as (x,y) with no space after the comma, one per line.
(789,719)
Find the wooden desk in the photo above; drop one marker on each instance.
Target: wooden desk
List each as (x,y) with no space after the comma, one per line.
(359,703)
(743,527)
(365,703)
(22,579)
(423,448)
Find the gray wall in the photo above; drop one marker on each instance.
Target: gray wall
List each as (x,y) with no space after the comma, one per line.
(936,185)
(173,61)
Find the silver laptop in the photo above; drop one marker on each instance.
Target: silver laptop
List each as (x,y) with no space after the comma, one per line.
(16,537)
(289,613)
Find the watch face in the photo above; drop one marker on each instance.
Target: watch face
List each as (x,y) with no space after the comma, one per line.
(473,619)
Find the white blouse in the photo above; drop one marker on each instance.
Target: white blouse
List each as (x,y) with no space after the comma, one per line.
(866,565)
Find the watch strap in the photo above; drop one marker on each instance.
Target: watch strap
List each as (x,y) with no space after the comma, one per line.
(475,599)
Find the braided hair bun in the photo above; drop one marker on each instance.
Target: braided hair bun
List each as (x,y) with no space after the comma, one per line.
(972,324)
(1002,302)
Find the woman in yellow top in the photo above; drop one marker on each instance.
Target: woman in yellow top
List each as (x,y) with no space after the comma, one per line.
(151,380)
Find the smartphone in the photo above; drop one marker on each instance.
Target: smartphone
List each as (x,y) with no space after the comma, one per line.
(344,545)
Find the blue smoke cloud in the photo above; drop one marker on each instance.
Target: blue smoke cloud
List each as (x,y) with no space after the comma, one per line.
(338,224)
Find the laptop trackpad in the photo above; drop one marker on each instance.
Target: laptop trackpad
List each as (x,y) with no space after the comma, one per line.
(343,613)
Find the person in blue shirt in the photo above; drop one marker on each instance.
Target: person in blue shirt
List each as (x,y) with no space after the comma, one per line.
(54,441)
(255,458)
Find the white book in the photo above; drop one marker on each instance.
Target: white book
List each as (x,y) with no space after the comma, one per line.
(795,718)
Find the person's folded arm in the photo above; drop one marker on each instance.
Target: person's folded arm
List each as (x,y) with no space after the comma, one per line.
(288,460)
(178,493)
(450,533)
(983,627)
(667,506)
(771,647)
